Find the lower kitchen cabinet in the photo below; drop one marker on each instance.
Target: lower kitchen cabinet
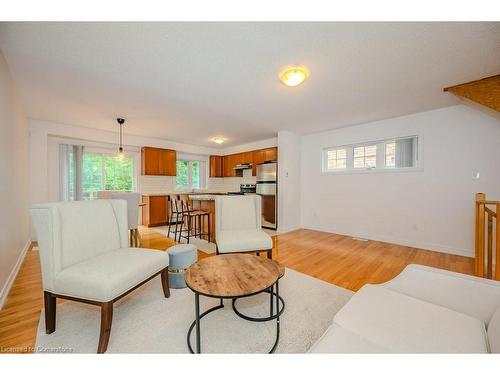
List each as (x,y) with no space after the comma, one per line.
(155,211)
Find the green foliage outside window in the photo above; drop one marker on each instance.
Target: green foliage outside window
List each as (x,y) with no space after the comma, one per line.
(196,174)
(102,172)
(188,174)
(182,178)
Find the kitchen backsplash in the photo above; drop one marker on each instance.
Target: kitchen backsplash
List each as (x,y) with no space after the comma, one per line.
(166,184)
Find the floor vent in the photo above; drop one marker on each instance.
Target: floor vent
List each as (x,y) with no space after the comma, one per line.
(359,239)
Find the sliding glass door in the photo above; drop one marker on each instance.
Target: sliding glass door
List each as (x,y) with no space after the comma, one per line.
(84,173)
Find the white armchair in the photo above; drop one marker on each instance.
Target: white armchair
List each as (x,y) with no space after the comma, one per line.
(85,257)
(238,225)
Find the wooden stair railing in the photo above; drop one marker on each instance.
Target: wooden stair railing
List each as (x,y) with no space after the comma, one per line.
(487,254)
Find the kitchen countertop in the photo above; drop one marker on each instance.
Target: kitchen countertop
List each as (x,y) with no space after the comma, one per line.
(161,194)
(203,197)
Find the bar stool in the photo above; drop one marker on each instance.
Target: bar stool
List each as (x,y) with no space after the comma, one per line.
(174,215)
(193,218)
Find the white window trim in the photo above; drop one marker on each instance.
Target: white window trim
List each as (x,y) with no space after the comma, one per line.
(204,181)
(419,167)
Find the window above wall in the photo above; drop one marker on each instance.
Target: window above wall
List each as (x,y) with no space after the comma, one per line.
(393,154)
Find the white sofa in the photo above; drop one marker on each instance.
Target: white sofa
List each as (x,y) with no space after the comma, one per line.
(422,310)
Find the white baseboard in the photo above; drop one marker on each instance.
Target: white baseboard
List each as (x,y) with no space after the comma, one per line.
(286,230)
(10,280)
(404,242)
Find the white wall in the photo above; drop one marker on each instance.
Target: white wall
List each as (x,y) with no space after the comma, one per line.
(431,209)
(14,182)
(288,181)
(44,162)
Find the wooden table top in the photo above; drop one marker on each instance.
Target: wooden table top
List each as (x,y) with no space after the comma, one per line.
(233,275)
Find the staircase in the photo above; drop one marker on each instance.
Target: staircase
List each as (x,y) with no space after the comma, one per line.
(487,244)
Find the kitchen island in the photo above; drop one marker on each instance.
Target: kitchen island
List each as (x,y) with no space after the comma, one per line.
(156,210)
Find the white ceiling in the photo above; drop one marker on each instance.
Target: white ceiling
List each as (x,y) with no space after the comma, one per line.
(188,82)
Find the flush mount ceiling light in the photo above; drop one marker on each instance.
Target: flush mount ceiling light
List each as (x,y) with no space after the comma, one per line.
(218,140)
(294,75)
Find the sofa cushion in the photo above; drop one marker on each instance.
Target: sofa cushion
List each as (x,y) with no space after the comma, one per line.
(405,324)
(337,339)
(243,240)
(470,295)
(109,275)
(494,332)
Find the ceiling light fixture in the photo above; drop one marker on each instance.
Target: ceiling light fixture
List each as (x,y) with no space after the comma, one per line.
(120,155)
(294,75)
(218,140)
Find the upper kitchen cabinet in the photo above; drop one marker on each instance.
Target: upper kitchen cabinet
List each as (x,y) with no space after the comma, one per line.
(216,166)
(248,157)
(264,155)
(270,154)
(229,162)
(158,162)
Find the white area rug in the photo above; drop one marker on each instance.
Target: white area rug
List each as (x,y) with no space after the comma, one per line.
(202,245)
(146,322)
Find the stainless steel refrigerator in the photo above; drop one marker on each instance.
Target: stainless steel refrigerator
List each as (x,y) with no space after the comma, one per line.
(267,189)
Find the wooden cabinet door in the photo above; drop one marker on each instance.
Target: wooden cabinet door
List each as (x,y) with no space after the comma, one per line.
(155,210)
(271,154)
(248,157)
(216,166)
(158,162)
(158,210)
(225,166)
(150,161)
(237,159)
(231,161)
(168,163)
(258,158)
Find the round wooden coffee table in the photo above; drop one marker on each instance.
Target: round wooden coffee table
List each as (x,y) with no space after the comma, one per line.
(233,276)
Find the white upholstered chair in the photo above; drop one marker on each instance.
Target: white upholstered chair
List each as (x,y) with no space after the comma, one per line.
(133,201)
(238,225)
(85,257)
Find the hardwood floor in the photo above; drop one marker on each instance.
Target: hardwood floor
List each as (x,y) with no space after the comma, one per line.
(330,257)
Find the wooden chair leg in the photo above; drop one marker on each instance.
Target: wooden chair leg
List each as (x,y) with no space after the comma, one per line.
(164,283)
(106,319)
(270,254)
(50,312)
(137,238)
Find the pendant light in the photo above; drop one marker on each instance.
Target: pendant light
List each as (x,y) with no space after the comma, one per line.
(120,155)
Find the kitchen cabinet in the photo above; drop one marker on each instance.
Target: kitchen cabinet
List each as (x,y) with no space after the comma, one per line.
(250,157)
(229,164)
(264,155)
(158,162)
(271,154)
(216,166)
(155,211)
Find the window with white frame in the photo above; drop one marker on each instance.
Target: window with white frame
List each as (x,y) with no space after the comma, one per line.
(389,154)
(191,172)
(337,159)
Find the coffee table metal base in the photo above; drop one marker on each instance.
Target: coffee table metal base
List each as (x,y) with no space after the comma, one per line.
(275,299)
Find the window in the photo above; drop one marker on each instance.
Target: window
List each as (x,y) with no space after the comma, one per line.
(365,156)
(191,174)
(337,159)
(105,172)
(389,154)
